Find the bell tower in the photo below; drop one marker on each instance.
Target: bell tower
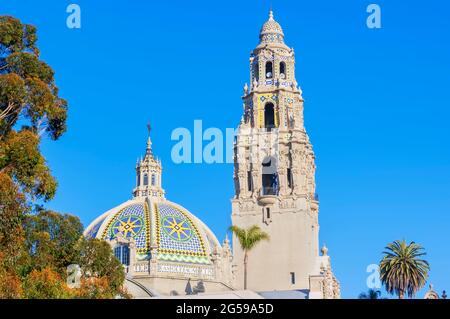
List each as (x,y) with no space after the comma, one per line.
(274,172)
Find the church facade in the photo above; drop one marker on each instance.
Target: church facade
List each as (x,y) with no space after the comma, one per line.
(167,251)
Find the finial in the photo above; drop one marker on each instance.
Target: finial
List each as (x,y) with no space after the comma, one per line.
(324,250)
(149,141)
(270,13)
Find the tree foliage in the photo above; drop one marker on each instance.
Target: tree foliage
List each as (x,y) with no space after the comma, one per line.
(45,284)
(27,86)
(99,265)
(370,294)
(52,239)
(37,245)
(248,239)
(402,270)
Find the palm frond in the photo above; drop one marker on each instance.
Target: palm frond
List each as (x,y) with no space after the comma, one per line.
(402,271)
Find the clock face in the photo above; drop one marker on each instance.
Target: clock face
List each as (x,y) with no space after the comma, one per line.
(178,229)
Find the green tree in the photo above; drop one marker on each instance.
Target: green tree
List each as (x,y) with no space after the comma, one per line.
(45,284)
(370,294)
(27,93)
(29,107)
(12,209)
(55,241)
(98,265)
(402,270)
(10,284)
(51,240)
(21,159)
(27,86)
(248,239)
(36,245)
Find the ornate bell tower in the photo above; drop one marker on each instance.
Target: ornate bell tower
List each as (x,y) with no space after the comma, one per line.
(274,173)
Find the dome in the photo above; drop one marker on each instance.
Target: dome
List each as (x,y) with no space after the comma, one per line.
(160,230)
(161,245)
(271,31)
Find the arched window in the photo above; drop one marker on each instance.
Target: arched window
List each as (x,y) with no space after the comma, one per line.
(138,179)
(269,70)
(256,68)
(145,179)
(122,252)
(282,70)
(269,116)
(153,180)
(269,176)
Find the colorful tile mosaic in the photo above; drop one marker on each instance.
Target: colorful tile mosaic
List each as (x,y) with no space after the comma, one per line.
(132,221)
(178,238)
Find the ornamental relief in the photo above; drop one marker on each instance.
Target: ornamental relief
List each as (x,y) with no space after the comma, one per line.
(246,206)
(287,204)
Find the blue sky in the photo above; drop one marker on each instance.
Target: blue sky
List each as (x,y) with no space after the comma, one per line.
(376,109)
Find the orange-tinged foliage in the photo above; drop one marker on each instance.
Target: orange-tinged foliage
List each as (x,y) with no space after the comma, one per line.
(10,285)
(37,245)
(45,284)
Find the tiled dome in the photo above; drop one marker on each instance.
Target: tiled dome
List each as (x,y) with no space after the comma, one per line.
(271,31)
(173,232)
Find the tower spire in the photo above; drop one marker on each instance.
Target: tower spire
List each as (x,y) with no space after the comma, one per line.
(148,173)
(271,10)
(149,141)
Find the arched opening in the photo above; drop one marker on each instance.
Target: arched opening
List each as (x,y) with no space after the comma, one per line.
(122,252)
(282,70)
(145,179)
(269,176)
(153,180)
(256,68)
(269,70)
(269,116)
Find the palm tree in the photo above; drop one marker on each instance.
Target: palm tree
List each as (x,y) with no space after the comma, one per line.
(402,270)
(370,294)
(248,238)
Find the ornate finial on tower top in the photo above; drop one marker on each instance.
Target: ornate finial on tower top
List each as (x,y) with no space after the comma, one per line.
(149,141)
(149,171)
(271,31)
